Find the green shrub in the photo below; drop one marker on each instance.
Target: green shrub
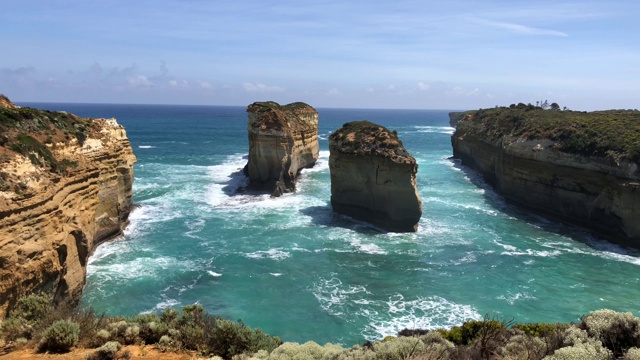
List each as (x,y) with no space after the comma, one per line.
(60,337)
(536,329)
(230,338)
(107,351)
(399,348)
(32,308)
(525,346)
(617,331)
(16,328)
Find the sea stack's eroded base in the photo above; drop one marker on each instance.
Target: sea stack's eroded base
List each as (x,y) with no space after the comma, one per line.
(373,177)
(282,141)
(578,167)
(65,186)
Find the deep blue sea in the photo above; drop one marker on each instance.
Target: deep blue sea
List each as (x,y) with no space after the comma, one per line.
(293,268)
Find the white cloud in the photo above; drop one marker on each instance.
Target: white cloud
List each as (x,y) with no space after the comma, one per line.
(139,81)
(523,29)
(334,92)
(424,87)
(391,87)
(205,84)
(259,87)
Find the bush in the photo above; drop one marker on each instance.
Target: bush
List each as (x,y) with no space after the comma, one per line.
(632,354)
(16,328)
(60,337)
(32,308)
(617,331)
(230,338)
(399,348)
(107,351)
(525,346)
(536,329)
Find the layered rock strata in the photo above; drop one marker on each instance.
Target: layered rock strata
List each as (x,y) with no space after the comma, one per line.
(561,170)
(65,187)
(282,141)
(373,177)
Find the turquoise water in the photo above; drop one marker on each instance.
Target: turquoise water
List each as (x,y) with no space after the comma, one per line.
(296,270)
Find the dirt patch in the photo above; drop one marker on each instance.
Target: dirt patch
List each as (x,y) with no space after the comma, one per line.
(143,352)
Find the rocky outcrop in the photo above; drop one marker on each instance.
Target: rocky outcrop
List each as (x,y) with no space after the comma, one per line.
(373,177)
(282,141)
(65,187)
(456,116)
(6,103)
(537,159)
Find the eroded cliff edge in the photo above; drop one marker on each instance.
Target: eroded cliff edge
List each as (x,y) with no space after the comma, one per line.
(373,177)
(65,186)
(578,167)
(282,141)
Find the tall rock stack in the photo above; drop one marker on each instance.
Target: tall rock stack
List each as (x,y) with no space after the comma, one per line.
(282,141)
(373,177)
(65,187)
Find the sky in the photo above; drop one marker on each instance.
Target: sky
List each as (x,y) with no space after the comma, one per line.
(455,54)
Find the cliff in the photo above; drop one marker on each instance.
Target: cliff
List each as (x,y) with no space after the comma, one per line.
(581,168)
(456,116)
(373,177)
(282,141)
(65,187)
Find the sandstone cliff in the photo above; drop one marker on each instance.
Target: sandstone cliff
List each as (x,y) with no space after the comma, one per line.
(282,141)
(578,167)
(373,177)
(65,186)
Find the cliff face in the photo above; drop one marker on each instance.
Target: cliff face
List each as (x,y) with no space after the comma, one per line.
(545,168)
(373,177)
(65,186)
(282,141)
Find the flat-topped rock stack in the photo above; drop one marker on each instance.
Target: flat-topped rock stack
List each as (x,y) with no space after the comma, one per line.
(373,177)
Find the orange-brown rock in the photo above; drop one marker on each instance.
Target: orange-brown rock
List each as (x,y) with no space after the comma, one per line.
(6,103)
(65,187)
(282,141)
(373,177)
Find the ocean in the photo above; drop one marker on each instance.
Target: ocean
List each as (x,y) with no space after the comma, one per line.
(293,268)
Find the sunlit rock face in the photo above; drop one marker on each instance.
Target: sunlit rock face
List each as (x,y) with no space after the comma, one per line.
(282,141)
(65,187)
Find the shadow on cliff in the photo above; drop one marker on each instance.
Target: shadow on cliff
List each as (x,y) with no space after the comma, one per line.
(325,216)
(545,222)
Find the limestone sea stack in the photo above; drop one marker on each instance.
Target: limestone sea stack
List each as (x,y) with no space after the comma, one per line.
(579,167)
(373,177)
(65,187)
(283,140)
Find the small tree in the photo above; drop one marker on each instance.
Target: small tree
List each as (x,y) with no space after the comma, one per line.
(555,106)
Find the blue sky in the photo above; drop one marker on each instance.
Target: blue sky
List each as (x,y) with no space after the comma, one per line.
(458,54)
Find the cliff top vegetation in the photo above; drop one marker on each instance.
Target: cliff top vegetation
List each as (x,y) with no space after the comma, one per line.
(36,134)
(274,116)
(600,133)
(366,138)
(35,323)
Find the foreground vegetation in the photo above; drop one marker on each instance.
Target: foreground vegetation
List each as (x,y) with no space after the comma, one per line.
(35,323)
(599,133)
